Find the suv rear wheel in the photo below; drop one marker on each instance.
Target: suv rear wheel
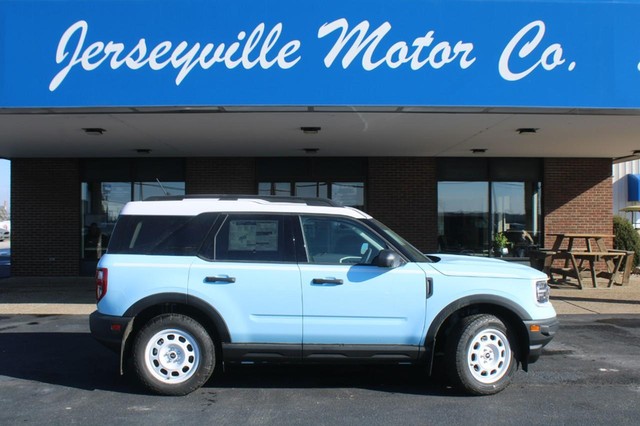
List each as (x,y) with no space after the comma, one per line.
(481,355)
(173,355)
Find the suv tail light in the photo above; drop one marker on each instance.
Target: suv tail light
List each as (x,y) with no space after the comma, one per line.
(101,283)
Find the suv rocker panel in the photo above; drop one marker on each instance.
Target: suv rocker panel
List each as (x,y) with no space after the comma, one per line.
(286,353)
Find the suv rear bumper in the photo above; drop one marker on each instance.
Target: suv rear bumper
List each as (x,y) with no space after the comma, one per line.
(108,329)
(539,339)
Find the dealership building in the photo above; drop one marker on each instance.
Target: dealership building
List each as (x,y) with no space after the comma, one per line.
(450,122)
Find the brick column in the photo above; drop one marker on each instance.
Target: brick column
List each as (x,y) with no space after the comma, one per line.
(45,217)
(220,176)
(577,196)
(402,193)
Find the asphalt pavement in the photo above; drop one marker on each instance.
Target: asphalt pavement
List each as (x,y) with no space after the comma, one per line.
(53,372)
(76,296)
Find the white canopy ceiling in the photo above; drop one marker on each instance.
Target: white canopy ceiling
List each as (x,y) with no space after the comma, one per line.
(220,131)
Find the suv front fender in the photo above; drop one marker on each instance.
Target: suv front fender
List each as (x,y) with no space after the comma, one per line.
(481,303)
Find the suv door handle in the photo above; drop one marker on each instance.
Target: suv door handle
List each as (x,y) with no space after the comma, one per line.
(220,280)
(327,281)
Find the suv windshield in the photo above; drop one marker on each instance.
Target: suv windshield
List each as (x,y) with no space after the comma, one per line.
(413,253)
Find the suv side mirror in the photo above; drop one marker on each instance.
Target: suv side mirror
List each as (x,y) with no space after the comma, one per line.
(387,259)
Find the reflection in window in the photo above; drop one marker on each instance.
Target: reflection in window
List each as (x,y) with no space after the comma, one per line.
(339,241)
(312,189)
(144,190)
(281,189)
(101,206)
(472,214)
(463,217)
(346,193)
(516,215)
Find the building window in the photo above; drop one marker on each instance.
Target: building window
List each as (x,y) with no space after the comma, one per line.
(339,179)
(102,203)
(480,201)
(108,184)
(346,193)
(463,217)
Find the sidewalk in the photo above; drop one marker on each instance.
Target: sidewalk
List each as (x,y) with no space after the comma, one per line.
(47,295)
(567,299)
(76,296)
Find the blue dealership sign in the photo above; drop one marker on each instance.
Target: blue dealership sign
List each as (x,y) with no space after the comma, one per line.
(455,53)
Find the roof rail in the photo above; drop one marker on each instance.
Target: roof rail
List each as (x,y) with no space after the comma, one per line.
(319,202)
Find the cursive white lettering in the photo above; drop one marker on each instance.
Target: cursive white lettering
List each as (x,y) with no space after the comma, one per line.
(551,57)
(71,52)
(361,42)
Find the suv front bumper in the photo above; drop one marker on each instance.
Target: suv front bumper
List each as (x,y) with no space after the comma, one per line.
(538,339)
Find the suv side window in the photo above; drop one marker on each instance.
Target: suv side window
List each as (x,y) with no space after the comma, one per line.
(160,235)
(339,240)
(254,238)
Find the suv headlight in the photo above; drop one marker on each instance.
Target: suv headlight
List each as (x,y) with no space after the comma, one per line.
(542,291)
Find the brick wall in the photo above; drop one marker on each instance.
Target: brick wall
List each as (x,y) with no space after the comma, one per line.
(577,196)
(45,217)
(402,193)
(220,176)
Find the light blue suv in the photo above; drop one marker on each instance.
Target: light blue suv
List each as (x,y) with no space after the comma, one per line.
(192,282)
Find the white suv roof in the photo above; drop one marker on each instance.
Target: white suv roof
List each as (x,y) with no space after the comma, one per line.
(194,205)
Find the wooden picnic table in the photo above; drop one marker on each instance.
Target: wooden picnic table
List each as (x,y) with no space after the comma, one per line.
(588,239)
(593,251)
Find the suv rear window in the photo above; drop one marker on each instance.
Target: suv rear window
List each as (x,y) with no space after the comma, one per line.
(160,235)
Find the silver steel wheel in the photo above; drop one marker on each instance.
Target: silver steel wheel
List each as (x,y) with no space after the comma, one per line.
(489,356)
(172,356)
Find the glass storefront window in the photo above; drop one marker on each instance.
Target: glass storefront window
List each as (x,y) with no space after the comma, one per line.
(312,189)
(463,217)
(516,215)
(107,184)
(101,206)
(281,189)
(347,193)
(472,214)
(144,190)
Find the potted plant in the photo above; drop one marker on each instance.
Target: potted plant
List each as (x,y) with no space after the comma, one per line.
(500,243)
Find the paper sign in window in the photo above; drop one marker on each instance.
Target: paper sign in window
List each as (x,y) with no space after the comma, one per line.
(253,235)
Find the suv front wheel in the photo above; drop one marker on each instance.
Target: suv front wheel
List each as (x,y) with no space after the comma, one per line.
(173,355)
(481,355)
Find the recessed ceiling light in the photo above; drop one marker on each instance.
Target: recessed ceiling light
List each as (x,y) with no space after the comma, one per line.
(94,131)
(310,130)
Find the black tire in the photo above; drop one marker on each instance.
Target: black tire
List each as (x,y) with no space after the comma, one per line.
(481,355)
(173,355)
